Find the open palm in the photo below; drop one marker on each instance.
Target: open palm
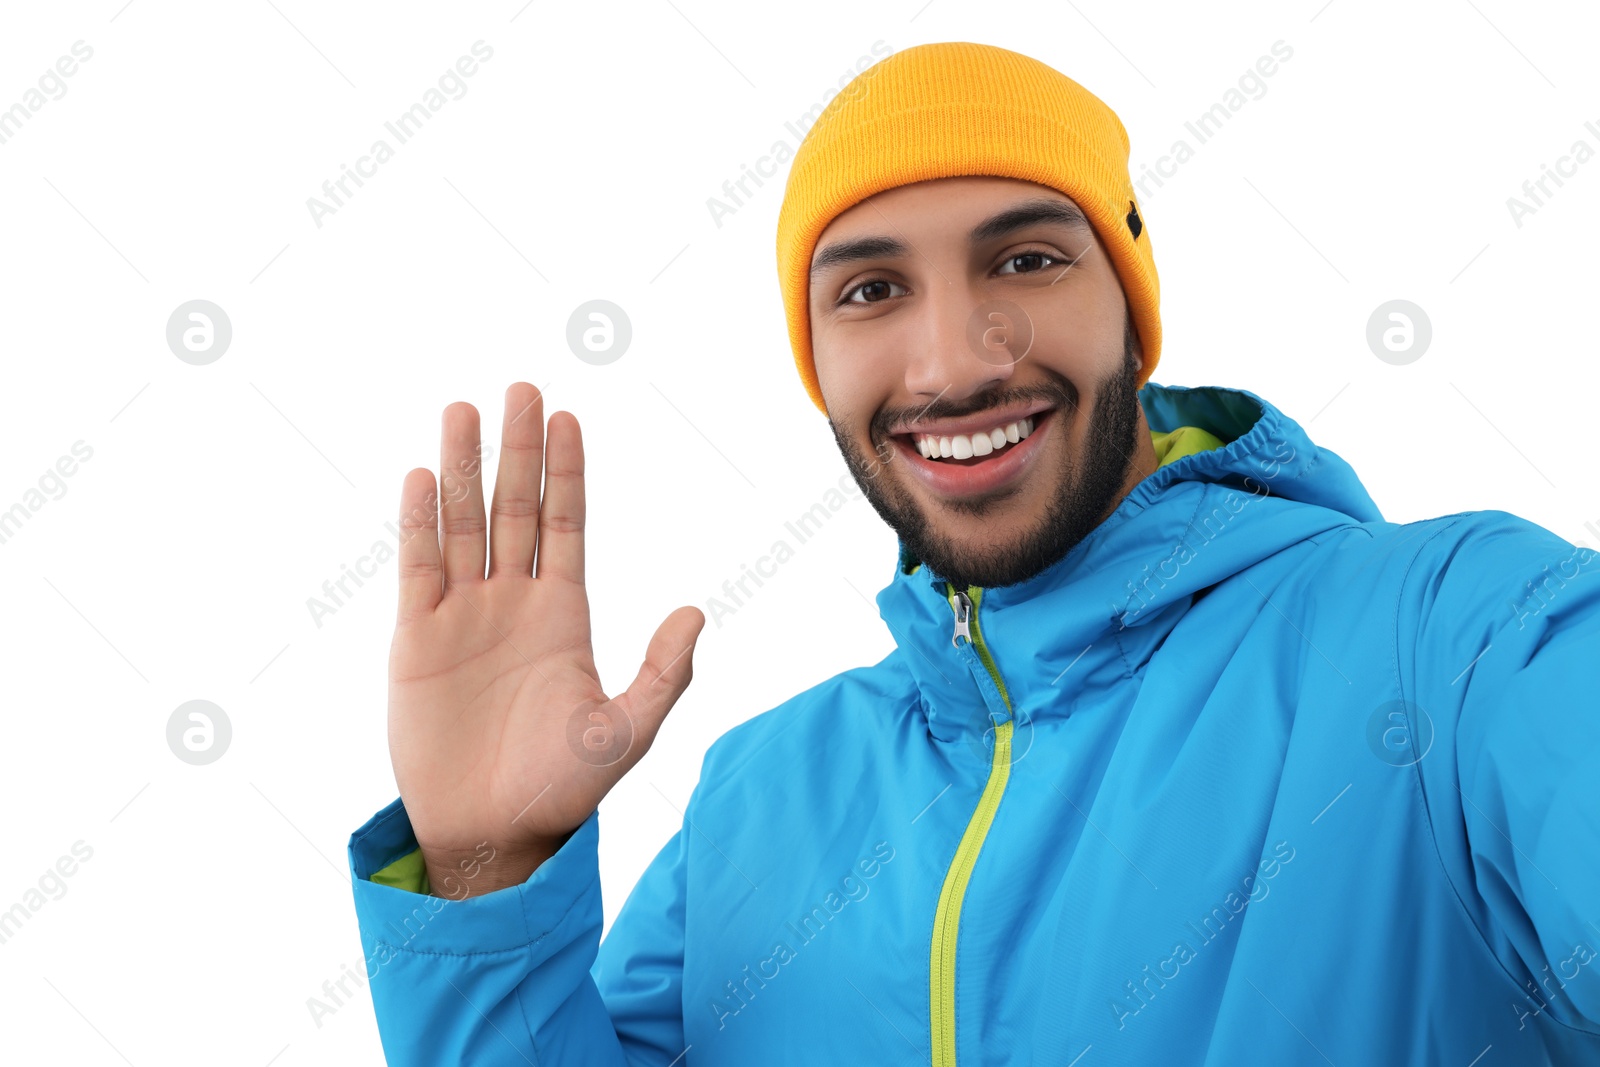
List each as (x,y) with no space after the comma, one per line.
(502,739)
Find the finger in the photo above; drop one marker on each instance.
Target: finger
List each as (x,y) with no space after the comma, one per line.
(421,584)
(514,516)
(561,508)
(667,670)
(461,494)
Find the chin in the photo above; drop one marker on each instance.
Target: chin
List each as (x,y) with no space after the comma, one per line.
(987,559)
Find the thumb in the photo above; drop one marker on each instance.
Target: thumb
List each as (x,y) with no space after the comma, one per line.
(668,667)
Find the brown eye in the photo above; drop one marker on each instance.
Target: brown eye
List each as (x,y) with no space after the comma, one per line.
(881,289)
(1029,258)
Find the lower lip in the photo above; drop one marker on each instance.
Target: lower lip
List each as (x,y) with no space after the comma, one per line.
(957,480)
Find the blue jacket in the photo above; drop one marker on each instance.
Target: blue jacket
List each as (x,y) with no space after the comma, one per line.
(1250,776)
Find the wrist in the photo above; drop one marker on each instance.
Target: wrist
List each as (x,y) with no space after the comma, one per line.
(456,874)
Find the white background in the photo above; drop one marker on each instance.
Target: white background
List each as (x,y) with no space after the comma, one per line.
(178,563)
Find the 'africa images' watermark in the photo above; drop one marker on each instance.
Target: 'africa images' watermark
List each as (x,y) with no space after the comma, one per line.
(781,151)
(337,591)
(404,127)
(13,118)
(1211,122)
(51,886)
(1566,167)
(1202,530)
(52,482)
(429,904)
(736,993)
(805,526)
(1139,992)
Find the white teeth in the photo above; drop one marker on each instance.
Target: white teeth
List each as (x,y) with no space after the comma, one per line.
(965,446)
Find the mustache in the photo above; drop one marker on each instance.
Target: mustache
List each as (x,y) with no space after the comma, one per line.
(1065,395)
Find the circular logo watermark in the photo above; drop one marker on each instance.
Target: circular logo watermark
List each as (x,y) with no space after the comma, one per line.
(598,734)
(199,332)
(598,332)
(199,732)
(1399,332)
(1021,739)
(1399,733)
(999,332)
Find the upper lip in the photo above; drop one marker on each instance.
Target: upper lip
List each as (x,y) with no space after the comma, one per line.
(971,424)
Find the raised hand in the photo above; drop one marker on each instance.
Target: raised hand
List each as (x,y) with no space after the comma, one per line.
(502,738)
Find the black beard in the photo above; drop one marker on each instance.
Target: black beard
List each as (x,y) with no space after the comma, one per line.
(1090,490)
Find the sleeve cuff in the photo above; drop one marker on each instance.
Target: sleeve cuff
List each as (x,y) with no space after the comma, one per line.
(397,916)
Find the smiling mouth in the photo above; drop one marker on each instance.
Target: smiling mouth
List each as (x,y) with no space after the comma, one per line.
(974,449)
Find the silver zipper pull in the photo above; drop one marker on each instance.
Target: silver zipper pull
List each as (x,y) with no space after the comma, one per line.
(963,618)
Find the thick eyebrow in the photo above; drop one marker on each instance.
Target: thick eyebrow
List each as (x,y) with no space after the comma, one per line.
(1028,213)
(1018,216)
(857,249)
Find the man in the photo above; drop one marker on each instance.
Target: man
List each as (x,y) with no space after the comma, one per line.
(1184,754)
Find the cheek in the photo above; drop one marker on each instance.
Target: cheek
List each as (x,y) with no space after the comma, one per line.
(862,361)
(849,372)
(1080,346)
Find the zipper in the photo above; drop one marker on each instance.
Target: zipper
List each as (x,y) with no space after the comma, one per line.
(963,608)
(947,918)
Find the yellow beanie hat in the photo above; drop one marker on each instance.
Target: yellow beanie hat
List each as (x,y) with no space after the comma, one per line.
(959,108)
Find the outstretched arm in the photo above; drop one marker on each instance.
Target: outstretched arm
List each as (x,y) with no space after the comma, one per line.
(478,891)
(1508,672)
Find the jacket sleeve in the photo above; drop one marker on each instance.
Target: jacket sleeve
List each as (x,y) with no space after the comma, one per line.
(505,977)
(1510,668)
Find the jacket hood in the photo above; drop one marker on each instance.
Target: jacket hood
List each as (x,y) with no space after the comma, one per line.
(1097,614)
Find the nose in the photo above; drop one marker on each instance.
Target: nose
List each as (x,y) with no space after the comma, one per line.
(966,345)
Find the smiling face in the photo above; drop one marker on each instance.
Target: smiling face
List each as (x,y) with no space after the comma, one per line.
(974,348)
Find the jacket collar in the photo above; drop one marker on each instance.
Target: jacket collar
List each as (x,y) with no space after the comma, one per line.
(1096,616)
